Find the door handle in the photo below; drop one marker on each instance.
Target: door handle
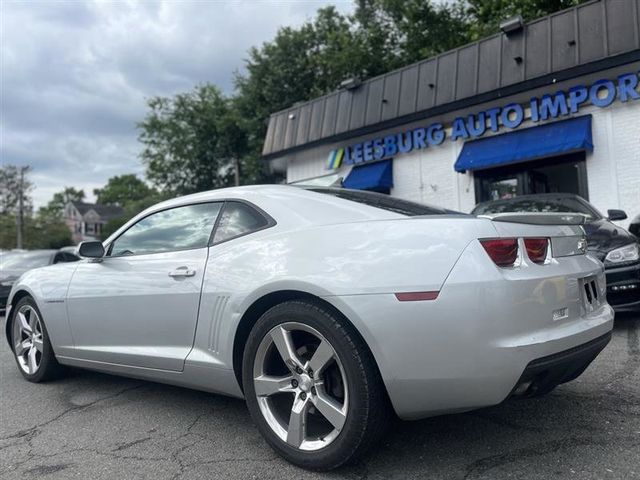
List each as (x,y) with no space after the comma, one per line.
(182,272)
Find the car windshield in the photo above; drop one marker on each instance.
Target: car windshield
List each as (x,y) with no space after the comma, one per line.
(385,202)
(556,205)
(24,261)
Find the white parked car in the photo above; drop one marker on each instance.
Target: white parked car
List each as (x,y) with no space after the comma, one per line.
(328,310)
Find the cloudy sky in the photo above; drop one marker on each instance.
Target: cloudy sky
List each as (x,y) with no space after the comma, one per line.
(75,75)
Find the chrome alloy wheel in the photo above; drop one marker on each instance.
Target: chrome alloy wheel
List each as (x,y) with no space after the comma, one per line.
(27,339)
(300,386)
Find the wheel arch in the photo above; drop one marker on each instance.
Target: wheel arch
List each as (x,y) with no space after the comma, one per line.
(264,303)
(19,295)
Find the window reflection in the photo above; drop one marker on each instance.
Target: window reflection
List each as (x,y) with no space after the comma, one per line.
(541,204)
(174,229)
(238,219)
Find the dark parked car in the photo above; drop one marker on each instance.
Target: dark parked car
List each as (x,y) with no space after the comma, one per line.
(634,227)
(15,263)
(618,249)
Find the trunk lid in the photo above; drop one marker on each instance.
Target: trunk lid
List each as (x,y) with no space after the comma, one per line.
(564,230)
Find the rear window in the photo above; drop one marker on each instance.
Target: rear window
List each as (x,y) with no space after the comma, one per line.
(385,202)
(556,205)
(238,219)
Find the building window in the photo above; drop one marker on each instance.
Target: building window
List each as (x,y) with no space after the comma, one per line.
(558,174)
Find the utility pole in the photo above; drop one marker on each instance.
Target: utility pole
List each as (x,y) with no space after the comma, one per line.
(20,212)
(236,164)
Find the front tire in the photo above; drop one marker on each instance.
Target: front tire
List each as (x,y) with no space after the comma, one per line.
(312,386)
(30,343)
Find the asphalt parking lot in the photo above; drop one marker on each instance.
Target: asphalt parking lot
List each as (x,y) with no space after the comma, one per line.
(95,426)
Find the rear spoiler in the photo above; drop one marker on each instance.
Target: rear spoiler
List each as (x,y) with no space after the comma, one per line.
(538,218)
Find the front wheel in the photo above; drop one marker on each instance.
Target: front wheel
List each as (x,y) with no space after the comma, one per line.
(30,343)
(312,386)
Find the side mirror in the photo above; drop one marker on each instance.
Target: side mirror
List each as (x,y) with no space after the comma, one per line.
(91,250)
(616,215)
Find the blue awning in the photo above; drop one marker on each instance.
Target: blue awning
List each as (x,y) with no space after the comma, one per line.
(376,176)
(529,144)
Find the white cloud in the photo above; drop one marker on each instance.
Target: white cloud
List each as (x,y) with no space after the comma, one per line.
(75,75)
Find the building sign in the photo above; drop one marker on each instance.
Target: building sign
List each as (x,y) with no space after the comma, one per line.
(601,94)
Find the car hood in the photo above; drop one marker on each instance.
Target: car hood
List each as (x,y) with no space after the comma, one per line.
(604,236)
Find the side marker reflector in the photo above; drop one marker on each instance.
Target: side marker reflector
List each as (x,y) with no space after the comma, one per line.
(416,296)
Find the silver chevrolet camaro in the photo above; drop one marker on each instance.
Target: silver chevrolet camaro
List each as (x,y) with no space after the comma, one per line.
(328,310)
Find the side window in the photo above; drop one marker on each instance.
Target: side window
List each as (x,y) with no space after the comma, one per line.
(178,228)
(238,219)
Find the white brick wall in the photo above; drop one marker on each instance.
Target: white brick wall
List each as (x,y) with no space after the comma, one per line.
(303,167)
(613,169)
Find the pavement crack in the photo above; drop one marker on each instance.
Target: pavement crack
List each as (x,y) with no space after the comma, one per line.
(29,432)
(492,462)
(124,446)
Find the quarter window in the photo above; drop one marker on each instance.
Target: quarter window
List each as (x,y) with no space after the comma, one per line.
(178,228)
(238,219)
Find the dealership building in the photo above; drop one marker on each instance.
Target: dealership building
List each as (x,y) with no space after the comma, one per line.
(548,106)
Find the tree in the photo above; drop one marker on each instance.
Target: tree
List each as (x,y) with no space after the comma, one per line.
(485,15)
(121,190)
(185,149)
(44,230)
(14,197)
(47,230)
(60,199)
(10,190)
(411,30)
(302,63)
(297,65)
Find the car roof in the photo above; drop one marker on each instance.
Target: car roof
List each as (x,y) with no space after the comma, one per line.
(290,206)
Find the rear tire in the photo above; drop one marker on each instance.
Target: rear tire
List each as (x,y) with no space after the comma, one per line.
(30,343)
(315,419)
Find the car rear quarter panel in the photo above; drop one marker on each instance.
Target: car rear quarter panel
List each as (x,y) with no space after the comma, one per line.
(362,258)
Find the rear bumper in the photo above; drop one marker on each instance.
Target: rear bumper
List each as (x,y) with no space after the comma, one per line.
(623,287)
(542,375)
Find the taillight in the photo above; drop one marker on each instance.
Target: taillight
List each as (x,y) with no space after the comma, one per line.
(537,249)
(503,251)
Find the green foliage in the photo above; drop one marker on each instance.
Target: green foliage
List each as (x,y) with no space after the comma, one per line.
(60,199)
(186,148)
(7,231)
(46,230)
(10,189)
(297,65)
(406,31)
(40,231)
(122,190)
(485,15)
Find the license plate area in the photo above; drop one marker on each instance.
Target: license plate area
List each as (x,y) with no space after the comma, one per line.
(591,297)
